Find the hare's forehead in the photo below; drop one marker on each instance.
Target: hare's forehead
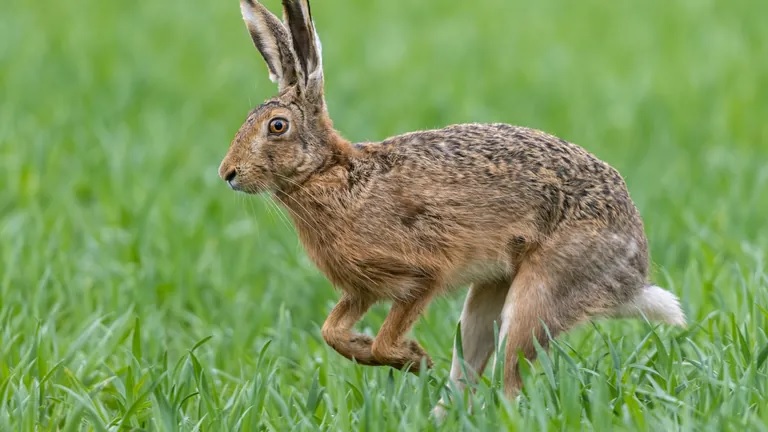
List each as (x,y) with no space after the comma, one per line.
(270,109)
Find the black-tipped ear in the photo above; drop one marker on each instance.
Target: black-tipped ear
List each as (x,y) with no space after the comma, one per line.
(306,44)
(272,40)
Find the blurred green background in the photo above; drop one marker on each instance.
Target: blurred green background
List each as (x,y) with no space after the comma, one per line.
(138,293)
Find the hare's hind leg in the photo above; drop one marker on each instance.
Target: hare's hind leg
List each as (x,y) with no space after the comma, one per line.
(528,307)
(482,308)
(572,278)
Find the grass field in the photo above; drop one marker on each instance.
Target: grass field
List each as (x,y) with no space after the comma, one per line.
(138,293)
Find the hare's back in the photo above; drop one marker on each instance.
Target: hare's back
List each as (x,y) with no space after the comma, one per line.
(483,144)
(501,152)
(500,167)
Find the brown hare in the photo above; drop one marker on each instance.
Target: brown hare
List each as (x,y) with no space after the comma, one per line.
(544,233)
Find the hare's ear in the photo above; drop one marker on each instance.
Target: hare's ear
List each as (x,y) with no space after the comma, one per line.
(271,39)
(306,44)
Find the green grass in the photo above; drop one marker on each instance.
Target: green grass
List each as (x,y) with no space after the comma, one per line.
(138,293)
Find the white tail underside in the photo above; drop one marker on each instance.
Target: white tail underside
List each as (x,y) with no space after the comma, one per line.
(657,304)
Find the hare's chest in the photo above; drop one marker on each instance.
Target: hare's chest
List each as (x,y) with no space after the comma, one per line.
(369,273)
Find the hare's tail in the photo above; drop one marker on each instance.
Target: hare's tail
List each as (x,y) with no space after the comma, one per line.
(656,304)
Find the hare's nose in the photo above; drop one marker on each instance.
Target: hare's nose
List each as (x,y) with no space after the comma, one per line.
(229,177)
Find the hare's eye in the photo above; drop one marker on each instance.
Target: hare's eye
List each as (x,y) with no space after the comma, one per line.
(278,126)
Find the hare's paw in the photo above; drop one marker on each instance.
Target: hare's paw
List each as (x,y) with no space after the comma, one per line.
(353,346)
(408,354)
(360,339)
(416,351)
(358,348)
(360,342)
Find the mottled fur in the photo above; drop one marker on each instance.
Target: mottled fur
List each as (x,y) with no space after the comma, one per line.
(543,231)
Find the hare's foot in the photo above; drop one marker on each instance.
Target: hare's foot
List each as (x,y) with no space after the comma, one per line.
(358,347)
(407,355)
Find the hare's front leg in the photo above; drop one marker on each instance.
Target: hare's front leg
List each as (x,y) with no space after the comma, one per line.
(337,330)
(391,348)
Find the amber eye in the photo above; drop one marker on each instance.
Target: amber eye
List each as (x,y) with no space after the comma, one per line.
(278,126)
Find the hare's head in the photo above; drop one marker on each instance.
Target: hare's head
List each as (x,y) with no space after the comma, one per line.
(285,139)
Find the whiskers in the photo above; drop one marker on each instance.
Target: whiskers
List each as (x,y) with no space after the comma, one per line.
(252,207)
(274,209)
(310,226)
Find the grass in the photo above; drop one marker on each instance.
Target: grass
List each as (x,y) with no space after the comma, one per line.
(138,293)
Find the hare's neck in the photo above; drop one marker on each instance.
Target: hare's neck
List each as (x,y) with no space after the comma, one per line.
(318,204)
(319,215)
(321,195)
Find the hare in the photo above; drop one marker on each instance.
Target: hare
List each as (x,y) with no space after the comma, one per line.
(545,234)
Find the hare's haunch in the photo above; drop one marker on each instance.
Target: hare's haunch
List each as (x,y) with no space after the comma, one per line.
(543,232)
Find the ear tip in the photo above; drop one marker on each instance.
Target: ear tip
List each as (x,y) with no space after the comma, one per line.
(246,4)
(245,9)
(249,9)
(250,5)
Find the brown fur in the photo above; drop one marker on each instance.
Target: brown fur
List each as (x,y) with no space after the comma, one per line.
(541,224)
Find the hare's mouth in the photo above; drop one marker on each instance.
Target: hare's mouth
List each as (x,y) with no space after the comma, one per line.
(248,187)
(237,182)
(243,179)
